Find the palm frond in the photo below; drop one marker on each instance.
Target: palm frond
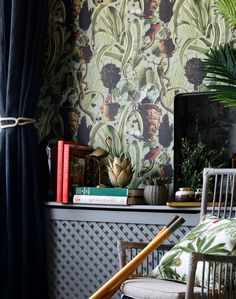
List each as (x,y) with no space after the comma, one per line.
(226,98)
(223,95)
(223,88)
(220,64)
(227,8)
(220,68)
(228,82)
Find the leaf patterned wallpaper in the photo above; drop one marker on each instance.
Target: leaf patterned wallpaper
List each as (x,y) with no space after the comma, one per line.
(113,68)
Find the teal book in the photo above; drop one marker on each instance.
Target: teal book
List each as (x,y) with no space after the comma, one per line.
(100,191)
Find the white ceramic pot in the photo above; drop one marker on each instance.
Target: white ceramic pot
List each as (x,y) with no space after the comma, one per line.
(198,195)
(185,194)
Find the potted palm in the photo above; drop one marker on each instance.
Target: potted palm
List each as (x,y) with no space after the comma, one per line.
(156,190)
(220,63)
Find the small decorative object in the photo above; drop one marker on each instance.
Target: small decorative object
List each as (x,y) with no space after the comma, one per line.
(156,191)
(166,46)
(110,110)
(233,160)
(120,171)
(198,195)
(185,194)
(97,155)
(151,115)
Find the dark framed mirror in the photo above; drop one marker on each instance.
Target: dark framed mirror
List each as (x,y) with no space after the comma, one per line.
(197,115)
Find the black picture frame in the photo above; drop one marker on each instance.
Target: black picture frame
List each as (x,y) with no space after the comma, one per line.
(197,113)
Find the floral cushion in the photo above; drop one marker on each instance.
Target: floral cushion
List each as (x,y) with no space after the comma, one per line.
(212,236)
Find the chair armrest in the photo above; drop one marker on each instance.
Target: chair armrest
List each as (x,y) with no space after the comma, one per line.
(220,274)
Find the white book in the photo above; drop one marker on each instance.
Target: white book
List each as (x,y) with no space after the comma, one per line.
(100,199)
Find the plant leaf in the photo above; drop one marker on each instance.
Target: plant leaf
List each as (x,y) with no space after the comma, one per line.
(227,9)
(128,49)
(176,11)
(113,55)
(185,46)
(220,67)
(139,34)
(101,53)
(123,10)
(95,15)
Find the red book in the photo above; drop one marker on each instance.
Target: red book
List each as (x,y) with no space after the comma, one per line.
(74,168)
(60,156)
(52,162)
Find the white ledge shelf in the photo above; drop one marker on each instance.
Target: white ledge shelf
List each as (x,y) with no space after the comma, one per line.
(143,214)
(147,208)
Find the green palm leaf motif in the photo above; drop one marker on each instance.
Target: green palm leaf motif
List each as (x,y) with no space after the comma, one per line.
(207,244)
(220,66)
(203,238)
(228,99)
(217,249)
(170,260)
(189,248)
(201,242)
(198,229)
(167,267)
(171,273)
(227,8)
(204,245)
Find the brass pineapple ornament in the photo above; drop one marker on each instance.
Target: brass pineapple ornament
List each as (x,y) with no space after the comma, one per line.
(120,171)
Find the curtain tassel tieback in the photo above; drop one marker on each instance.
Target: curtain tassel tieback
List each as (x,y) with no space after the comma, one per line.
(20,121)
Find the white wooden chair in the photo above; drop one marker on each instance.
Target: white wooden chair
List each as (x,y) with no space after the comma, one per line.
(220,280)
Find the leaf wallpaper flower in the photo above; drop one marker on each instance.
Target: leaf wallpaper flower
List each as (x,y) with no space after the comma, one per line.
(112,70)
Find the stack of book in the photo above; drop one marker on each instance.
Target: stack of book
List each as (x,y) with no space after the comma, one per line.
(108,196)
(73,167)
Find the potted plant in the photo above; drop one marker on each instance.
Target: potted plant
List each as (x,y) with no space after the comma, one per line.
(195,156)
(220,64)
(156,190)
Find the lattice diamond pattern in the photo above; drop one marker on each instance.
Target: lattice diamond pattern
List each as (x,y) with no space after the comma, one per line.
(83,255)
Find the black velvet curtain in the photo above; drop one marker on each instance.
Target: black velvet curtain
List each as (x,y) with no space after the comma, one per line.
(22,247)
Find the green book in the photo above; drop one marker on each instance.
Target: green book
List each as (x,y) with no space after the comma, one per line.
(100,191)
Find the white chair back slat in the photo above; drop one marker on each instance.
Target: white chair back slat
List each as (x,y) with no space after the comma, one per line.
(220,182)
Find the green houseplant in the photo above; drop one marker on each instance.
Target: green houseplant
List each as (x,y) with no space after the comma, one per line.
(194,157)
(156,190)
(220,64)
